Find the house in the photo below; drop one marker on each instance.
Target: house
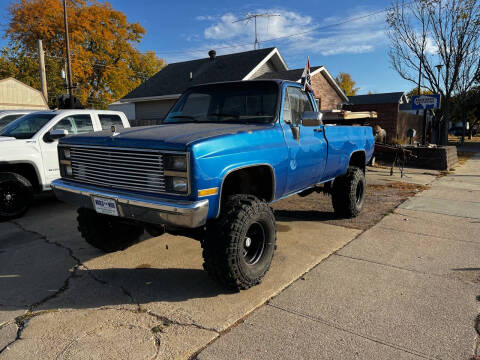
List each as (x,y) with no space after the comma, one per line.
(394,113)
(327,92)
(16,95)
(150,102)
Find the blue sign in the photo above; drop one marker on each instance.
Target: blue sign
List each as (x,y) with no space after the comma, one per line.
(422,102)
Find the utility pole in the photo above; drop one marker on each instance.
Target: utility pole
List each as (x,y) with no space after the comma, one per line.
(69,64)
(43,77)
(256,43)
(438,125)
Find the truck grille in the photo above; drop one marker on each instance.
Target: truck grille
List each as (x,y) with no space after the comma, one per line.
(119,168)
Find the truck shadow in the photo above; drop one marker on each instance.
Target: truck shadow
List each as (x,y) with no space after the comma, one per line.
(304,215)
(146,285)
(86,289)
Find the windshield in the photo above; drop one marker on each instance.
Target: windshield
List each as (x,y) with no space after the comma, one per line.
(4,121)
(26,126)
(241,103)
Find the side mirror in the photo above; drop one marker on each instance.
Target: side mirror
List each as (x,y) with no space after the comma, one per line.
(55,135)
(58,134)
(312,118)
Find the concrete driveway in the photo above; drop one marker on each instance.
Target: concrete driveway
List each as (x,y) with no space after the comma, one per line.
(60,298)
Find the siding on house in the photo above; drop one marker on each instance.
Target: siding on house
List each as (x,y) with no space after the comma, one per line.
(16,95)
(151,112)
(409,121)
(328,97)
(265,68)
(389,108)
(387,115)
(324,91)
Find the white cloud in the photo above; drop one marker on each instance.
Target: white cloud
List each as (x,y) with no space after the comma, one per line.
(206,18)
(430,47)
(286,23)
(299,34)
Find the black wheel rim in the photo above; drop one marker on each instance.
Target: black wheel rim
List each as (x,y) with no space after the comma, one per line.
(359,192)
(12,198)
(254,243)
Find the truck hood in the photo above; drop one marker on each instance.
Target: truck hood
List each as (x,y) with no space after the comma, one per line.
(167,136)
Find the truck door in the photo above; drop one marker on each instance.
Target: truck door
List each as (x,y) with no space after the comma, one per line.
(75,124)
(307,147)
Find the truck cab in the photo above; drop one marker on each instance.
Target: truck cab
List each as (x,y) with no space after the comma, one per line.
(29,156)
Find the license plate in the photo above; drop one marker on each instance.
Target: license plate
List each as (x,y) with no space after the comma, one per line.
(105,206)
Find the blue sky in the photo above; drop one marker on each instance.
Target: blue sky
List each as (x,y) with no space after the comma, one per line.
(187,29)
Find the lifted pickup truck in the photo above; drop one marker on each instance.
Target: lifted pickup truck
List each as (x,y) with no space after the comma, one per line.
(223,153)
(28,151)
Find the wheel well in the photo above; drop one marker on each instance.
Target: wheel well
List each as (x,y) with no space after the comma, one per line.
(26,170)
(358,159)
(255,180)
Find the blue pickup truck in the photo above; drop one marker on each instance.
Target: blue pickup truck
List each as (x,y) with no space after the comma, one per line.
(222,154)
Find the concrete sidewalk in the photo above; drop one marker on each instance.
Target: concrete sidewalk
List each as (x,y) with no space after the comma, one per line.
(405,289)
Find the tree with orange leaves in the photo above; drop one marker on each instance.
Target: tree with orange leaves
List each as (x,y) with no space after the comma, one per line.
(105,61)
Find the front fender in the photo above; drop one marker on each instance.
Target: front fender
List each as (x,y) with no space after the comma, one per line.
(217,183)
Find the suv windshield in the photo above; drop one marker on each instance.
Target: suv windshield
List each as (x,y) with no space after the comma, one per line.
(26,126)
(237,102)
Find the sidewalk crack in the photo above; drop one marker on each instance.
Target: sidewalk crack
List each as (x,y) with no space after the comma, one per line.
(444,276)
(338,327)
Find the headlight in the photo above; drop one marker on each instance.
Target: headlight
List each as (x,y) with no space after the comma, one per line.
(176,173)
(65,162)
(176,162)
(179,184)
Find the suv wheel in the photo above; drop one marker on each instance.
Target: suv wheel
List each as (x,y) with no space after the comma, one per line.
(16,195)
(348,193)
(105,232)
(239,245)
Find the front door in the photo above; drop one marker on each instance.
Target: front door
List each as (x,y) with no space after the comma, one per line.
(307,146)
(75,124)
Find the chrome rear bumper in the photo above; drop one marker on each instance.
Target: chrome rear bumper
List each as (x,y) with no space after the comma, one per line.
(186,214)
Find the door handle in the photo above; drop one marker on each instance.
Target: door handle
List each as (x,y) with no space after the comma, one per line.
(319,130)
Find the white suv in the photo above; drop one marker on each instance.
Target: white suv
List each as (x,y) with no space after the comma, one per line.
(28,151)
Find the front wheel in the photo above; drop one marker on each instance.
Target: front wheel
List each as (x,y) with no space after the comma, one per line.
(16,195)
(105,232)
(348,193)
(239,245)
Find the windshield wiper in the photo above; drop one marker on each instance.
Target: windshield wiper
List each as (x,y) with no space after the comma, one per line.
(236,116)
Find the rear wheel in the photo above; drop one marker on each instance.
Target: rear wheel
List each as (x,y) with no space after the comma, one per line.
(348,193)
(107,233)
(239,245)
(16,195)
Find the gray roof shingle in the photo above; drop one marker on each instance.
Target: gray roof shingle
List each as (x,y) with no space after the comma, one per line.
(175,77)
(293,75)
(384,98)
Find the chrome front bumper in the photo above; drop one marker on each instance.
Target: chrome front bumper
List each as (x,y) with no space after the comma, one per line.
(186,214)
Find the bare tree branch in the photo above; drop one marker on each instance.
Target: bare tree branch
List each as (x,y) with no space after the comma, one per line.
(427,33)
